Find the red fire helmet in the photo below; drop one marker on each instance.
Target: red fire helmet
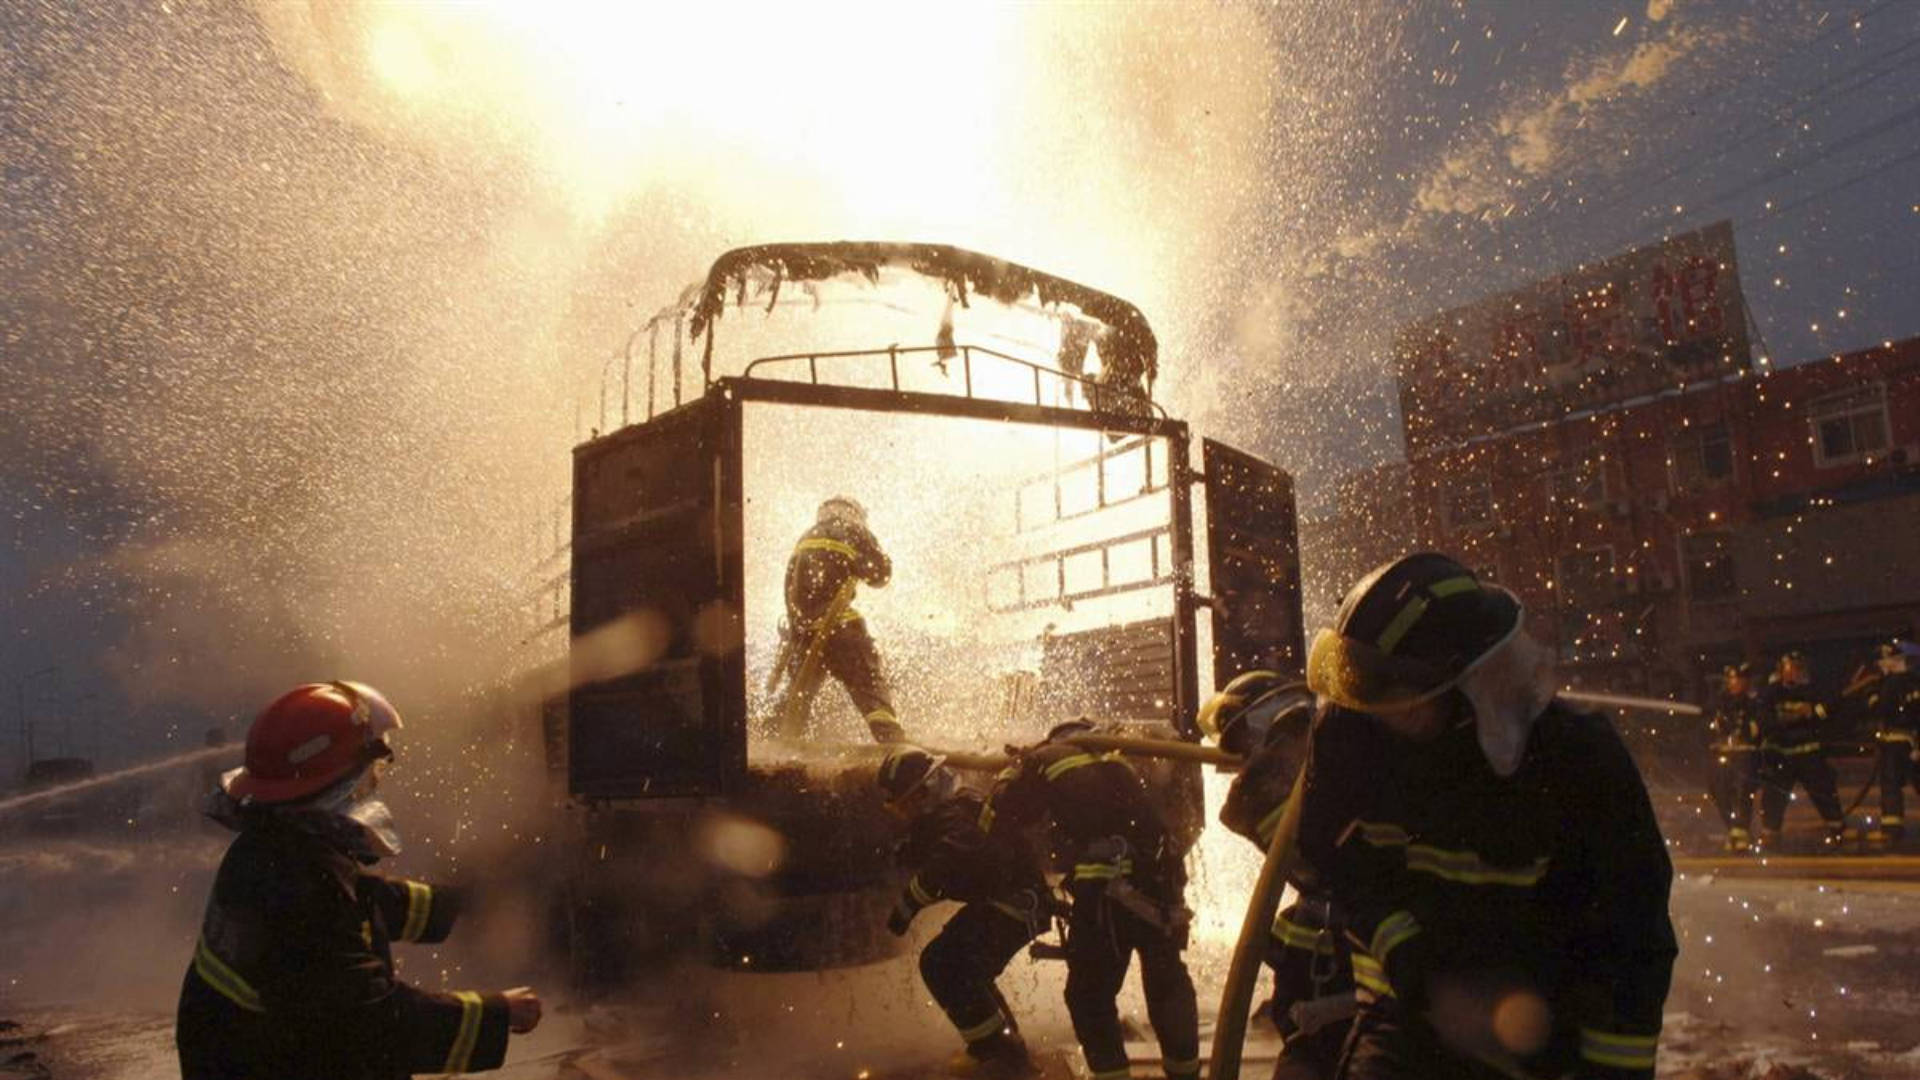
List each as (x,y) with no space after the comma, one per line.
(311,738)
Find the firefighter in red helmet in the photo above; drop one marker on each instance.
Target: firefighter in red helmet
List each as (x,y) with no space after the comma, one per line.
(293,974)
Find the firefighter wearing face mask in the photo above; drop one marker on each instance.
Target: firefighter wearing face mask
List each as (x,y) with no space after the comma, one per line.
(824,634)
(1003,897)
(1793,752)
(1735,725)
(1493,853)
(1127,880)
(1264,718)
(293,974)
(1894,702)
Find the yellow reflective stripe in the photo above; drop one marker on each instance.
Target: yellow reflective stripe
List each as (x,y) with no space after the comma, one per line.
(224,980)
(461,1056)
(919,892)
(1467,867)
(1382,835)
(1621,1051)
(1393,931)
(1795,750)
(1264,830)
(991,1026)
(1295,936)
(1453,586)
(821,543)
(986,816)
(1071,762)
(1369,975)
(1892,819)
(1897,736)
(1101,870)
(419,907)
(1402,623)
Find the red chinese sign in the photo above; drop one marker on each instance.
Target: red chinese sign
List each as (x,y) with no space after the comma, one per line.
(1653,319)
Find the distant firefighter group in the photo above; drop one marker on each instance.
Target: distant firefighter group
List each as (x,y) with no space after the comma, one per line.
(1771,738)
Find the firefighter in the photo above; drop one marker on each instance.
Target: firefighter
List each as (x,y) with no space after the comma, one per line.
(293,974)
(1265,719)
(1736,749)
(1792,751)
(1894,702)
(1127,881)
(1004,902)
(823,630)
(1493,854)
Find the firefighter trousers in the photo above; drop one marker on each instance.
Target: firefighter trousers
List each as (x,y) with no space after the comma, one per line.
(1896,772)
(1101,940)
(960,964)
(1781,771)
(1736,775)
(851,658)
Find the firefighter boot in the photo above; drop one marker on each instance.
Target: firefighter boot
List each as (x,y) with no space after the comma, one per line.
(1738,841)
(1001,1056)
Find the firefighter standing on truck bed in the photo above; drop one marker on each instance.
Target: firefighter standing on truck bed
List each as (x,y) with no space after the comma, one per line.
(1127,883)
(1493,852)
(823,630)
(293,973)
(1894,702)
(1261,717)
(1004,901)
(1735,725)
(1793,751)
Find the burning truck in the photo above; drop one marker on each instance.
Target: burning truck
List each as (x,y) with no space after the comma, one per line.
(1043,514)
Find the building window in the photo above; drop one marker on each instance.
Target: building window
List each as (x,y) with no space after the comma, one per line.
(1849,426)
(1584,578)
(1471,503)
(1710,570)
(1578,486)
(1702,457)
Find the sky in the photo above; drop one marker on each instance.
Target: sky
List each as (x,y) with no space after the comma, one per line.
(300,299)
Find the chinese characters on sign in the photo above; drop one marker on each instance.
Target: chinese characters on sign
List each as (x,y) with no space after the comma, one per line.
(1655,318)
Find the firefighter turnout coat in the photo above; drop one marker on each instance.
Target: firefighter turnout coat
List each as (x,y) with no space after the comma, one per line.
(1553,880)
(293,975)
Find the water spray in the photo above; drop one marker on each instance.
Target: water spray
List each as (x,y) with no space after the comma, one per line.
(33,798)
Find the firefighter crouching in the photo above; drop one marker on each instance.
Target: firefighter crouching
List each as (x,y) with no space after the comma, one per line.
(1736,750)
(1793,751)
(293,974)
(1492,852)
(1894,701)
(1265,719)
(823,630)
(1004,902)
(1127,884)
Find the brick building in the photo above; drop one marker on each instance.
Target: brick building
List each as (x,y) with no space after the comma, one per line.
(1657,538)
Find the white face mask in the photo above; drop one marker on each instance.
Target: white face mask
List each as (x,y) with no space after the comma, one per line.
(1508,691)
